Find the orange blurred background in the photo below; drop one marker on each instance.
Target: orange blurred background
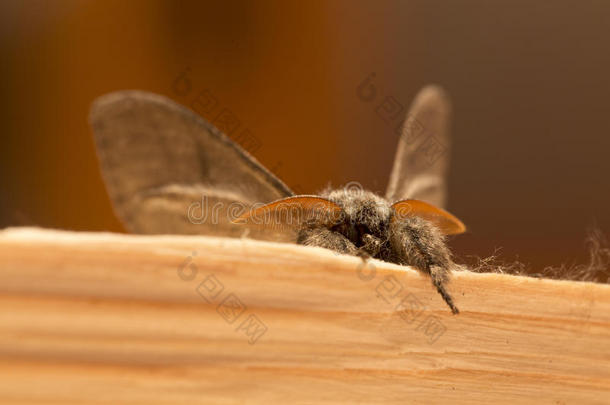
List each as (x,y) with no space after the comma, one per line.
(529,81)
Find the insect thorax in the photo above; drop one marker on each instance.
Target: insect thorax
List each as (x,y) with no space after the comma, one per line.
(364,213)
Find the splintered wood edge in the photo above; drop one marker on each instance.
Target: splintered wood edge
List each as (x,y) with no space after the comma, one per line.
(34,235)
(493,290)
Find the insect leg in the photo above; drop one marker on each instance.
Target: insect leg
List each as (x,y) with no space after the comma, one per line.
(418,243)
(438,280)
(324,237)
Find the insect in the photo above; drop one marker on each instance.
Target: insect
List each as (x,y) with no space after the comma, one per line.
(160,160)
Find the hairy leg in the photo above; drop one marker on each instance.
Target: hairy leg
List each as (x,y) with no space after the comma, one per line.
(418,243)
(323,237)
(372,245)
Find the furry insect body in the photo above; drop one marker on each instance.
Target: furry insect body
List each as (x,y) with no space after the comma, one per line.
(160,160)
(367,229)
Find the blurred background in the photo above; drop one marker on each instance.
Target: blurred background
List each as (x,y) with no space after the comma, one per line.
(529,82)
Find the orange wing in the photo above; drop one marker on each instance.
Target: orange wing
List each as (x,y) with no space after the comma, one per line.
(447,223)
(292,212)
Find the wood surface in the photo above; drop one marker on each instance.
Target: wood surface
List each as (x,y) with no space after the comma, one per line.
(112,318)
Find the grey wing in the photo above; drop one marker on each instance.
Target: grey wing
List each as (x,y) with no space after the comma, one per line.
(422,156)
(168,171)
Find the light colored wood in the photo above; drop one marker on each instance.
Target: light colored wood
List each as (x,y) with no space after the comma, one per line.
(105,318)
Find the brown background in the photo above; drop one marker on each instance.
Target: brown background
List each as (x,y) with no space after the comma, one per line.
(529,80)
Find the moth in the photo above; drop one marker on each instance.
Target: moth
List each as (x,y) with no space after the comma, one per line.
(161,162)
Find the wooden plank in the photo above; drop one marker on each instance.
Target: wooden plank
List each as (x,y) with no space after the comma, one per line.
(98,318)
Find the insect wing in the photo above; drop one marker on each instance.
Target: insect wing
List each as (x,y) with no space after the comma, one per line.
(446,222)
(167,170)
(422,155)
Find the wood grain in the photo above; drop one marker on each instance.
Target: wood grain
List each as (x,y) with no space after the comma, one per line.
(111,318)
